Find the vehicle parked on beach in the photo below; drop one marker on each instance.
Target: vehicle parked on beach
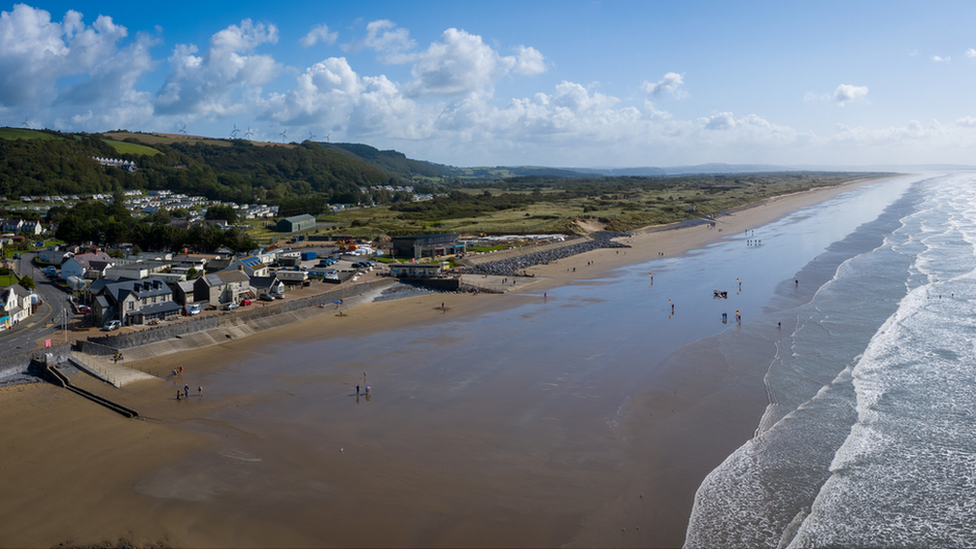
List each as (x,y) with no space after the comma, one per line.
(112,325)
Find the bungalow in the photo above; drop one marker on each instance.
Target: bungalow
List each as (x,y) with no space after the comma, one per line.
(419,270)
(52,256)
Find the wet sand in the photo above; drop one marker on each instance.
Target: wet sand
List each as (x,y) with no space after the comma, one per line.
(227,469)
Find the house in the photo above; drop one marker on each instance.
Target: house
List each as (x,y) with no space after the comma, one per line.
(53,255)
(222,288)
(81,263)
(12,225)
(33,228)
(134,302)
(267,285)
(252,266)
(183,292)
(16,305)
(295,224)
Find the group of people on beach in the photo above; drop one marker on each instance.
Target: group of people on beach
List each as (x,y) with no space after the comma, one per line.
(118,357)
(186,392)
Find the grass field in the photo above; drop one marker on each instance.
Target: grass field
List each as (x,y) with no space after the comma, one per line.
(23,133)
(132,148)
(168,138)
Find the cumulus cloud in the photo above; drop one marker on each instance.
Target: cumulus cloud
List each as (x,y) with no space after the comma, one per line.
(846,93)
(459,63)
(35,52)
(319,33)
(720,121)
(529,61)
(671,83)
(391,43)
(970,53)
(203,85)
(967,122)
(938,59)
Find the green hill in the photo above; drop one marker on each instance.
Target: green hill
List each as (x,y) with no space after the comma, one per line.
(302,178)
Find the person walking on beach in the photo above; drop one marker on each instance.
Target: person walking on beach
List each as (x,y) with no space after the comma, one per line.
(200,391)
(357,390)
(186,391)
(178,395)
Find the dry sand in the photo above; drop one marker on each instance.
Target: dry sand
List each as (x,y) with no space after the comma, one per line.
(65,457)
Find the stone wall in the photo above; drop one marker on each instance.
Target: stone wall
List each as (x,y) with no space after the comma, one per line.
(20,363)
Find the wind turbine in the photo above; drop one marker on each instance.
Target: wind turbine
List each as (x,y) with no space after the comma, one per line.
(283,136)
(26,124)
(327,136)
(311,136)
(233,134)
(248,133)
(183,129)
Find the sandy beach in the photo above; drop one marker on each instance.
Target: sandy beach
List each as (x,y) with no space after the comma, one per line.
(76,473)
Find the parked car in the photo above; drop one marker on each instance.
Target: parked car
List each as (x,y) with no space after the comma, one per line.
(113,325)
(84,309)
(267,297)
(245,302)
(231,306)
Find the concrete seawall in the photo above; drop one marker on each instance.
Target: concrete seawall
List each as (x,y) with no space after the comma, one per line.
(154,342)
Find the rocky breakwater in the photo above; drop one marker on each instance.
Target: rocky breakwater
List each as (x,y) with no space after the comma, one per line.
(514,266)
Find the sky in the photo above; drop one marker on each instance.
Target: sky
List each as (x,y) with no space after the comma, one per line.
(544,83)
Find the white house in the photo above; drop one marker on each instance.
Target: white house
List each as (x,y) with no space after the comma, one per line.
(81,263)
(16,303)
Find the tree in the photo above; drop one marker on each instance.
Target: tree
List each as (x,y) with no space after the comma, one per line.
(27,283)
(226,213)
(192,274)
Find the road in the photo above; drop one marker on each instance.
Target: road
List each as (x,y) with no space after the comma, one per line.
(25,335)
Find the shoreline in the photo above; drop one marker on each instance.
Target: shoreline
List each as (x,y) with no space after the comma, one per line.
(361,321)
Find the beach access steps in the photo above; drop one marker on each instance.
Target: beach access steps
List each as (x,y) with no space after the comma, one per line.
(52,374)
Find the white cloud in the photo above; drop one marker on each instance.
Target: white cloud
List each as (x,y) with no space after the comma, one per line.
(720,121)
(530,61)
(671,83)
(319,33)
(938,59)
(203,85)
(35,52)
(846,93)
(458,64)
(967,122)
(390,42)
(970,53)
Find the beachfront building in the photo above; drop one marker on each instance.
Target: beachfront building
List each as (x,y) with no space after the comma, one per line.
(295,224)
(427,245)
(134,302)
(419,270)
(222,288)
(16,305)
(267,285)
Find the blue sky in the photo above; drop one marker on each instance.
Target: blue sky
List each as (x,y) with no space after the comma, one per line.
(574,84)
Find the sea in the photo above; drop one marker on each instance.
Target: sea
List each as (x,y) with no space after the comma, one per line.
(510,427)
(867,440)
